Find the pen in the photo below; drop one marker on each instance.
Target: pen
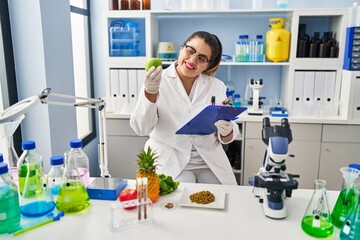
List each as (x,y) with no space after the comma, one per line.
(213,100)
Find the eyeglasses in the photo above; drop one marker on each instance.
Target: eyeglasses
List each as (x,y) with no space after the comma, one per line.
(201,59)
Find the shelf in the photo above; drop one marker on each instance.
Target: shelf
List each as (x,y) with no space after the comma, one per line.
(245,63)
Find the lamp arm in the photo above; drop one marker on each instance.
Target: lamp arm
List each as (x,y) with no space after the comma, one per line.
(88,103)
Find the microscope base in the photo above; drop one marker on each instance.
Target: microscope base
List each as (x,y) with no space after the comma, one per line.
(273,213)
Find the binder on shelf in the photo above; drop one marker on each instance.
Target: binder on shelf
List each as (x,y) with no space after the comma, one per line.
(319,87)
(356,106)
(204,122)
(133,89)
(140,78)
(298,90)
(330,82)
(113,104)
(308,94)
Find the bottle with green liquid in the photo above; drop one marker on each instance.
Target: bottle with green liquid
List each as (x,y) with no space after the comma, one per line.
(317,220)
(9,201)
(72,196)
(351,227)
(346,198)
(36,200)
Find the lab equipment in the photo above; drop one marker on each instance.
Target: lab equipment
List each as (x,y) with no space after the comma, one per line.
(277,41)
(271,184)
(351,227)
(255,100)
(317,220)
(9,201)
(106,188)
(124,38)
(10,155)
(36,199)
(166,51)
(15,111)
(55,174)
(237,101)
(73,196)
(82,160)
(346,198)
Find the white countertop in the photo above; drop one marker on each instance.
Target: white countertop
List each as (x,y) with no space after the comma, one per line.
(242,218)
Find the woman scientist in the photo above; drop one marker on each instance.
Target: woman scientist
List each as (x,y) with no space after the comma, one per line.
(172,97)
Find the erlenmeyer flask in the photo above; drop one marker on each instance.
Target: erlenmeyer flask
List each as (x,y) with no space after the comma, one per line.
(346,197)
(351,227)
(36,200)
(317,220)
(73,196)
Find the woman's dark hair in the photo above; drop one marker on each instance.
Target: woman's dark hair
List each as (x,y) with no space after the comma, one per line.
(215,46)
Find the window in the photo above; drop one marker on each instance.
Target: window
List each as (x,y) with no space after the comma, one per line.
(81,44)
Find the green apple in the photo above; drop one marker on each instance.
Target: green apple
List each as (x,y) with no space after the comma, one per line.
(152,62)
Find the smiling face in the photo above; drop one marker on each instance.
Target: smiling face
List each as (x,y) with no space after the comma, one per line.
(193,59)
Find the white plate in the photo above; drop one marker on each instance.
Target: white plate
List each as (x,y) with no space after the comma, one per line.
(219,202)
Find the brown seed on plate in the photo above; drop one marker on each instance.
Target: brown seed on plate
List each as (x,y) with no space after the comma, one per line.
(169,205)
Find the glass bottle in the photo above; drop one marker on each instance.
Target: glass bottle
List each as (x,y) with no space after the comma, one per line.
(317,220)
(36,200)
(134,5)
(346,197)
(55,174)
(12,158)
(123,5)
(73,196)
(82,161)
(351,227)
(146,4)
(9,201)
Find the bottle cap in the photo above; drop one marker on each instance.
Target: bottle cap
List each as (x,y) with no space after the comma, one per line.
(75,143)
(1,158)
(3,168)
(354,165)
(28,145)
(258,36)
(56,160)
(236,95)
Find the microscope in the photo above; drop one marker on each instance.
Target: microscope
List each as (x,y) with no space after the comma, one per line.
(271,184)
(255,101)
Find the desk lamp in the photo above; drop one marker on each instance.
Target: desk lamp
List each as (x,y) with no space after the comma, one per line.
(12,117)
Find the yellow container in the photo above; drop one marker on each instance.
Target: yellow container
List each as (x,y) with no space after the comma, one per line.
(277,41)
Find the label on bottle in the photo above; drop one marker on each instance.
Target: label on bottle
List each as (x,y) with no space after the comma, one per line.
(316,222)
(2,216)
(346,229)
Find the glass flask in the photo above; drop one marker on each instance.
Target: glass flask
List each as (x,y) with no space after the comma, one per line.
(55,174)
(9,201)
(346,197)
(82,160)
(73,196)
(351,227)
(36,200)
(317,220)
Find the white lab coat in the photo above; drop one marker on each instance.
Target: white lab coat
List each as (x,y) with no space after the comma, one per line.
(171,111)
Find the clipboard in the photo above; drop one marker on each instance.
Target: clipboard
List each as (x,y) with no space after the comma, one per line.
(204,122)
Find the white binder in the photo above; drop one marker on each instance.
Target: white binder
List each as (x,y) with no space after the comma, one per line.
(330,82)
(113,102)
(356,107)
(140,78)
(124,90)
(298,90)
(133,90)
(309,80)
(319,87)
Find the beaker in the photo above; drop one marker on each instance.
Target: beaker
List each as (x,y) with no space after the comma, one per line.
(351,227)
(36,199)
(346,198)
(72,196)
(317,220)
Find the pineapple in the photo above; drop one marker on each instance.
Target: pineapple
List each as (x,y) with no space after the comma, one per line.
(147,168)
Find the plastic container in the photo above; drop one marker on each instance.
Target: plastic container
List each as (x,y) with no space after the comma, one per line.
(237,101)
(277,41)
(124,39)
(55,174)
(282,3)
(36,200)
(259,50)
(9,201)
(82,160)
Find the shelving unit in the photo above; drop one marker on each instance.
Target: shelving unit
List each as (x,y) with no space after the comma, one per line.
(175,26)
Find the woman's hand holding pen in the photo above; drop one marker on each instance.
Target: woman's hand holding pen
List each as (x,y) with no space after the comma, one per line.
(152,80)
(225,128)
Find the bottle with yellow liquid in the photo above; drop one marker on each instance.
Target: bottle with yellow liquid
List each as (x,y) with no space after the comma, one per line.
(317,220)
(72,196)
(277,41)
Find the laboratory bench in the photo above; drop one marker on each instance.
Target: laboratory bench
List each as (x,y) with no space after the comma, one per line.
(241,218)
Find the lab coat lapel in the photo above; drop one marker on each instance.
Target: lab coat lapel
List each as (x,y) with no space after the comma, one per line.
(200,86)
(177,84)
